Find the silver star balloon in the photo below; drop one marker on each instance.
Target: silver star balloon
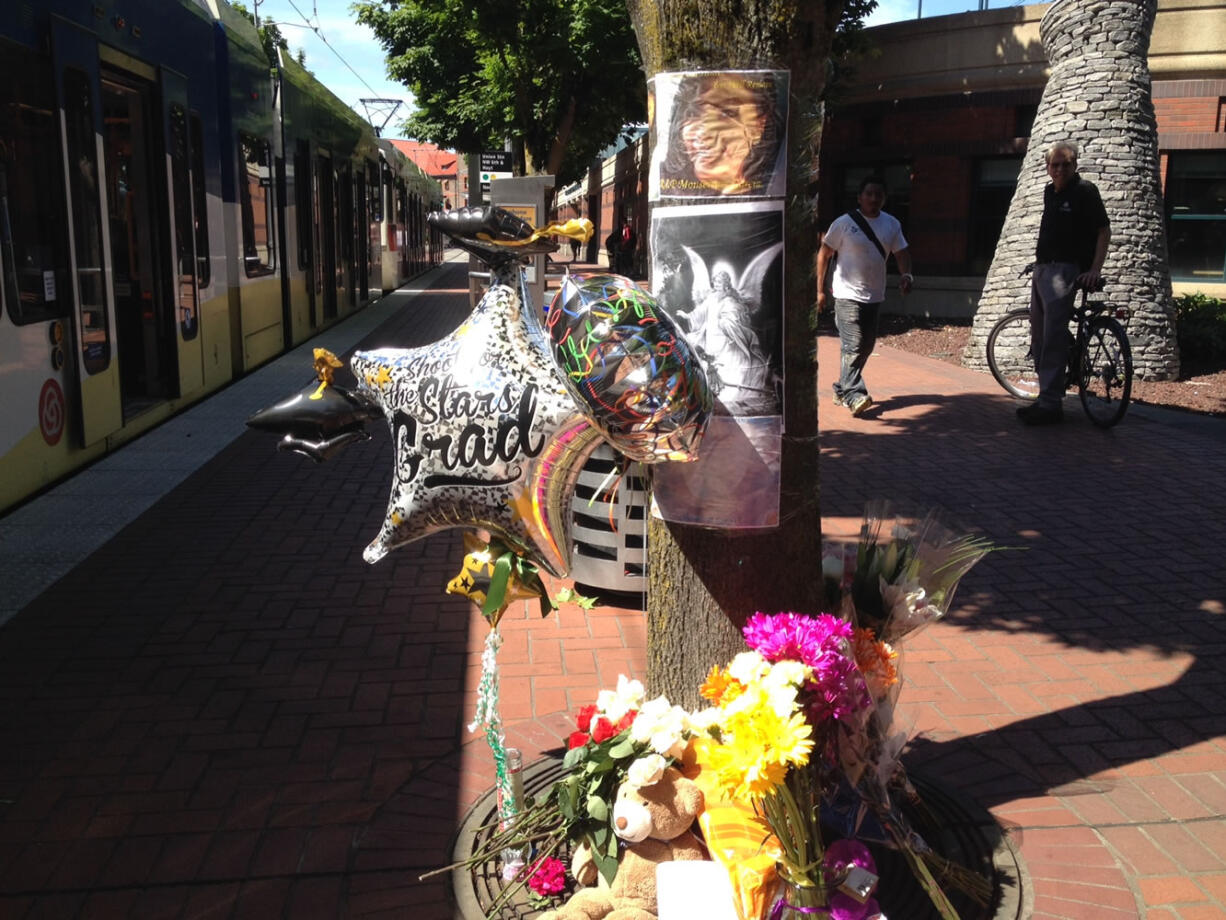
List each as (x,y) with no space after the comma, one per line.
(485,433)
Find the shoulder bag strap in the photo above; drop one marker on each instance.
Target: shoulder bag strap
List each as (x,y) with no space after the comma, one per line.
(868,231)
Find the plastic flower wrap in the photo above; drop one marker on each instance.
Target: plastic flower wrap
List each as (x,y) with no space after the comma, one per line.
(905,577)
(901,579)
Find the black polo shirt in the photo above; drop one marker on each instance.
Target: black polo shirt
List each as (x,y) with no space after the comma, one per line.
(1071,221)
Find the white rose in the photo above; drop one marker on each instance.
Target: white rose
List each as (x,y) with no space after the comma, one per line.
(646,770)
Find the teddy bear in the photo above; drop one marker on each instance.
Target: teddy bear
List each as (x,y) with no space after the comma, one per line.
(654,822)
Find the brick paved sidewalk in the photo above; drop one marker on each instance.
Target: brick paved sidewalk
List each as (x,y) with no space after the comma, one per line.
(224,712)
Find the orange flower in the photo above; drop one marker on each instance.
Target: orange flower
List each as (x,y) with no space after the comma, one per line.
(720,687)
(875,660)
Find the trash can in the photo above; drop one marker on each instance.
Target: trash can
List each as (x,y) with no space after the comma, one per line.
(610,525)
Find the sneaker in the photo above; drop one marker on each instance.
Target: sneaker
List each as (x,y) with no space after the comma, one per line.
(860,404)
(838,400)
(1034,414)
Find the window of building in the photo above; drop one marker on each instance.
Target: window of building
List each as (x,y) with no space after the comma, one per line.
(255,195)
(1023,120)
(1196,215)
(33,242)
(995,183)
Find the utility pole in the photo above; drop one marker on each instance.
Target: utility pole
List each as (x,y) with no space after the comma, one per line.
(378,106)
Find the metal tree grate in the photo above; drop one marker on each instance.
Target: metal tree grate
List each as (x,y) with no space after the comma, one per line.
(960,830)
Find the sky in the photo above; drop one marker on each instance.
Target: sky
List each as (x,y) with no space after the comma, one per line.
(351,64)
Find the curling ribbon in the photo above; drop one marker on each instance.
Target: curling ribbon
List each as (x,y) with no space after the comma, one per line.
(487,716)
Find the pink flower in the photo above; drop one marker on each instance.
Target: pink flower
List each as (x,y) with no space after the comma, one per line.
(548,877)
(837,689)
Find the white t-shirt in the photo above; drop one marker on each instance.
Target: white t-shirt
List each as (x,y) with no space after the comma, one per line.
(859,271)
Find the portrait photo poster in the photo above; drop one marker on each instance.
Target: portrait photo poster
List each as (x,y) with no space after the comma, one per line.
(717,271)
(718,134)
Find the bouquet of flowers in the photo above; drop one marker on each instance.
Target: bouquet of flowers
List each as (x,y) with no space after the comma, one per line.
(621,737)
(899,579)
(780,716)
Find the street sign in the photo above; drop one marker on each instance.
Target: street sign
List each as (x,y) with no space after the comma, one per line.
(495,164)
(497,161)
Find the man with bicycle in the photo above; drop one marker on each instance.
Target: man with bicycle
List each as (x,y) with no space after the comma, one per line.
(1072,245)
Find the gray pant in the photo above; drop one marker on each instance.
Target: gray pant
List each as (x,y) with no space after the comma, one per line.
(1051,305)
(857,325)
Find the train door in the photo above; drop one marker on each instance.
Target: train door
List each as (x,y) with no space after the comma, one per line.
(79,98)
(307,220)
(347,233)
(136,188)
(324,209)
(361,255)
(181,254)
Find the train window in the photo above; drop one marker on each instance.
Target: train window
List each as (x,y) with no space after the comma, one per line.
(255,194)
(33,242)
(200,209)
(185,236)
(86,209)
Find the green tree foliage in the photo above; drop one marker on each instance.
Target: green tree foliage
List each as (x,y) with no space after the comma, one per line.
(558,77)
(849,43)
(270,36)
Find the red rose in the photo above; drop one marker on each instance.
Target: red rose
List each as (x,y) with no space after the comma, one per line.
(603,730)
(585,717)
(577,739)
(624,722)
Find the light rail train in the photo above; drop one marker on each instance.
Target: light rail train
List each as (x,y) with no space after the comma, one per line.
(174,212)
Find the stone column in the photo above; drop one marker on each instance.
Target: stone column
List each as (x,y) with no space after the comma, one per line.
(1098,97)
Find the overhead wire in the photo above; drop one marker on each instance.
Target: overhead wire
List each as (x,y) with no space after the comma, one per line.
(315,28)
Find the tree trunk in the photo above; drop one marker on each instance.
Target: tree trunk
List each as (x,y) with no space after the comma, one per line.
(1098,97)
(702,583)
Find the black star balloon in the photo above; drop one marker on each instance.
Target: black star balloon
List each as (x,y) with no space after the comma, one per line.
(484,431)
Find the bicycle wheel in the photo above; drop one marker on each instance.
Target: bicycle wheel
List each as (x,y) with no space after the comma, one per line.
(1105,380)
(1009,356)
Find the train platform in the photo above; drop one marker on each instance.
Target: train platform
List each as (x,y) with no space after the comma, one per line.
(212,707)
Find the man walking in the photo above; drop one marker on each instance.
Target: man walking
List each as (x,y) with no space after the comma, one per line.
(1072,245)
(863,240)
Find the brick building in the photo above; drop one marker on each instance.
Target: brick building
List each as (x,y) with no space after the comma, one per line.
(445,166)
(943,108)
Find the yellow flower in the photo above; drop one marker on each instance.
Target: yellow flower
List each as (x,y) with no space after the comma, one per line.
(759,746)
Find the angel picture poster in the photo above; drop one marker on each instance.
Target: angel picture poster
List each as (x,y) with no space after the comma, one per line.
(718,272)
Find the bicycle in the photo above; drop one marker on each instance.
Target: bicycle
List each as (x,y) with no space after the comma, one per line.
(1099,362)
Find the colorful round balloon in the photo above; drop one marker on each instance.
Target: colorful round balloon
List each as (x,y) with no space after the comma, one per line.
(628,364)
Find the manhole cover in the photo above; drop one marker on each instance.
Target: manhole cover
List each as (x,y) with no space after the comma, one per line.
(960,830)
